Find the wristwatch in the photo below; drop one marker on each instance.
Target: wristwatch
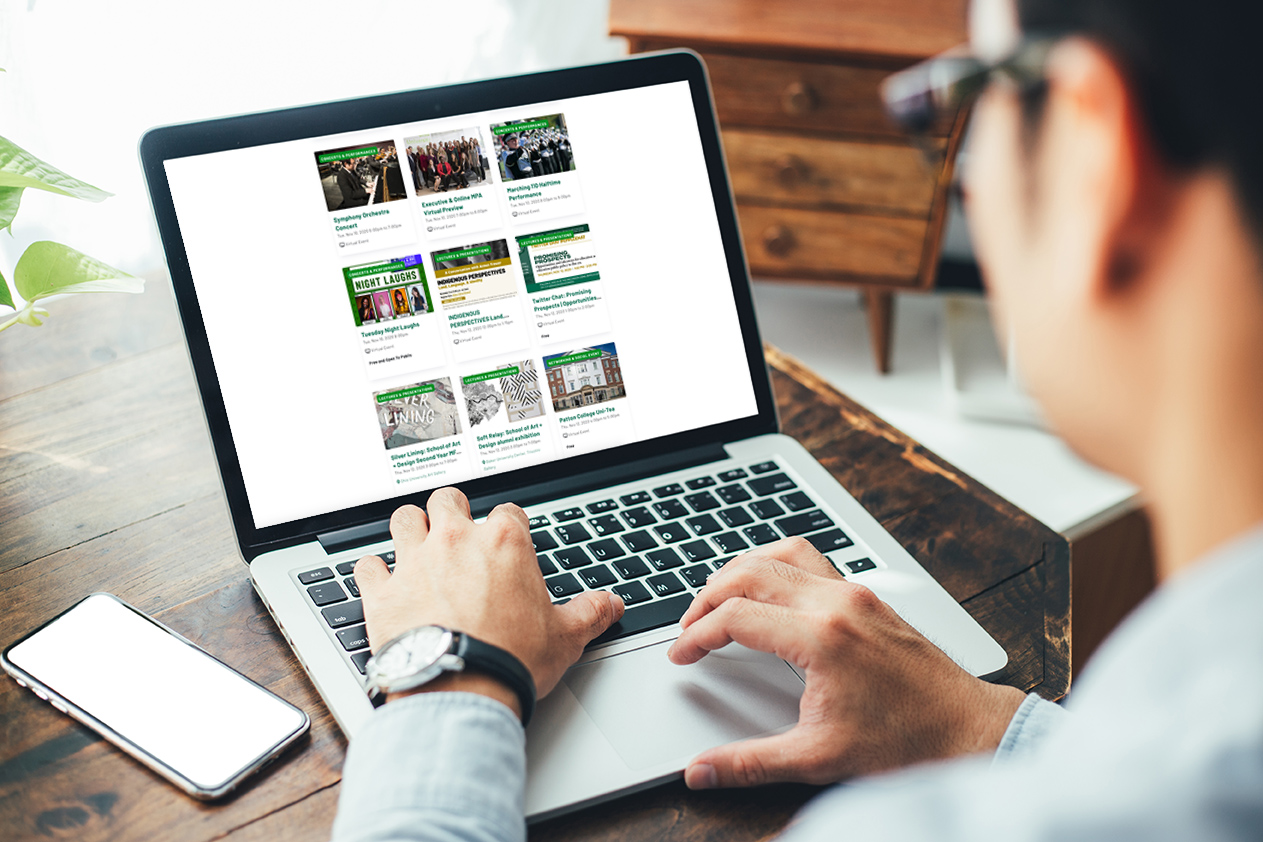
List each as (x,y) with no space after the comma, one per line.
(420,655)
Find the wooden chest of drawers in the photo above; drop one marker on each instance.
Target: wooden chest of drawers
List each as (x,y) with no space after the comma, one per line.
(827,188)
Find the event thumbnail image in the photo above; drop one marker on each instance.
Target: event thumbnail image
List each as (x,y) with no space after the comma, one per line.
(584,376)
(388,289)
(510,392)
(557,258)
(355,176)
(535,147)
(443,161)
(416,413)
(476,272)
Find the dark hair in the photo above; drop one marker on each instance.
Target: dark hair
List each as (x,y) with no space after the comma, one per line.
(1196,73)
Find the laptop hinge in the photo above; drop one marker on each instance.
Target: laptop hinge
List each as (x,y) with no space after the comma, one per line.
(367,533)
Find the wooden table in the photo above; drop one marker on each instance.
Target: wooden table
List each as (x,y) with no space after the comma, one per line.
(107,483)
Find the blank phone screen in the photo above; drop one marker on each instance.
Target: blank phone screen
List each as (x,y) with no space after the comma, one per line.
(169,699)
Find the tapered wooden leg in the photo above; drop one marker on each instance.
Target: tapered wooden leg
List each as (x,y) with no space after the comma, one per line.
(881,311)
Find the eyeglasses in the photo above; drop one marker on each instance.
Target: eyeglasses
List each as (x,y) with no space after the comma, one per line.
(917,98)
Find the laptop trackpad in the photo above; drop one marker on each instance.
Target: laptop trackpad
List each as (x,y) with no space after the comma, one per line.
(653,711)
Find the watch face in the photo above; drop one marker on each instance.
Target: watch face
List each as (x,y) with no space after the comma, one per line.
(414,651)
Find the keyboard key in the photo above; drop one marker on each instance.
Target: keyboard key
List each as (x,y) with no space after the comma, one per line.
(697,551)
(326,592)
(734,474)
(703,525)
(797,501)
(360,659)
(635,498)
(703,501)
(597,576)
(720,562)
(665,584)
(811,521)
(605,525)
(671,532)
(730,542)
(563,584)
(543,541)
(736,516)
(546,567)
(765,509)
(774,484)
(338,616)
(763,467)
(655,615)
(571,557)
(539,520)
(668,490)
(834,539)
(670,509)
(860,565)
(317,575)
(636,518)
(601,506)
(568,514)
(352,586)
(632,593)
(572,533)
(761,533)
(664,559)
(733,494)
(631,567)
(605,549)
(354,638)
(639,542)
(700,482)
(696,575)
(346,568)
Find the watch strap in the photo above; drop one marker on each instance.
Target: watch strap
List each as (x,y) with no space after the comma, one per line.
(502,666)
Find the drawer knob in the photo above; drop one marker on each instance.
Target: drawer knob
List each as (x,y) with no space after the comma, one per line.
(778,240)
(798,98)
(792,171)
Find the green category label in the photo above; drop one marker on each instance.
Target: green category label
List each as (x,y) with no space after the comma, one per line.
(459,253)
(362,152)
(520,127)
(420,389)
(551,236)
(375,269)
(507,371)
(572,358)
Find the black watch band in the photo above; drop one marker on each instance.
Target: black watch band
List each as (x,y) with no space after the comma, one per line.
(502,666)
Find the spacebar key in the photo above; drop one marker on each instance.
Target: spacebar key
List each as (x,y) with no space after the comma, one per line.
(644,617)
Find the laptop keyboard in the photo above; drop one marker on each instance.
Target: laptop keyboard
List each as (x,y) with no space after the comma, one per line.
(655,548)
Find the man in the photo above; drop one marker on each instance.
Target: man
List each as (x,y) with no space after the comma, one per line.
(517,161)
(353,193)
(1116,200)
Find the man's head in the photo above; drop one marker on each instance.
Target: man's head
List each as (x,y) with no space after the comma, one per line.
(1117,213)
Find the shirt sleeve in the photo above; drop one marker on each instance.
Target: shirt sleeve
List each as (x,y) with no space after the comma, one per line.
(438,767)
(1030,727)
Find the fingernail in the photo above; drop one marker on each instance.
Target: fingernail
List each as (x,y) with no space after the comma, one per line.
(701,776)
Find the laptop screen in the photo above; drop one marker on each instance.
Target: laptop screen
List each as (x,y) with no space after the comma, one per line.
(424,303)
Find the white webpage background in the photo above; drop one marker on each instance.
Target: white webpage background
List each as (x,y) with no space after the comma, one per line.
(268,277)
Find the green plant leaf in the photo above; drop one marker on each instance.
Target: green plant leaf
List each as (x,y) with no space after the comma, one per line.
(6,297)
(48,268)
(10,198)
(19,168)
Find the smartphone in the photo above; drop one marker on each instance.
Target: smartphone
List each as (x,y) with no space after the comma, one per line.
(165,701)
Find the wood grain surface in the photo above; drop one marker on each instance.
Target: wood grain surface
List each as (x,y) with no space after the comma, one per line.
(109,484)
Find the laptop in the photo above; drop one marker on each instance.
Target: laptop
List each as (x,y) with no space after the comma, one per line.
(533,289)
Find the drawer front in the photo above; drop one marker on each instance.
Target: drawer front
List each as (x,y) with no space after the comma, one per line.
(790,242)
(826,98)
(812,172)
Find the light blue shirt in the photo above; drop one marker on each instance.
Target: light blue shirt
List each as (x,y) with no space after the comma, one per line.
(1165,741)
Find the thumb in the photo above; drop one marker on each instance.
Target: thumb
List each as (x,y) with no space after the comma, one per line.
(746,763)
(591,613)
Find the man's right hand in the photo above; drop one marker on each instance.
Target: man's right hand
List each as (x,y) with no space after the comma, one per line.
(878,694)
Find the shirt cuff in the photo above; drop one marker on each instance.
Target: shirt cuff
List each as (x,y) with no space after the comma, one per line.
(1029,728)
(445,765)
